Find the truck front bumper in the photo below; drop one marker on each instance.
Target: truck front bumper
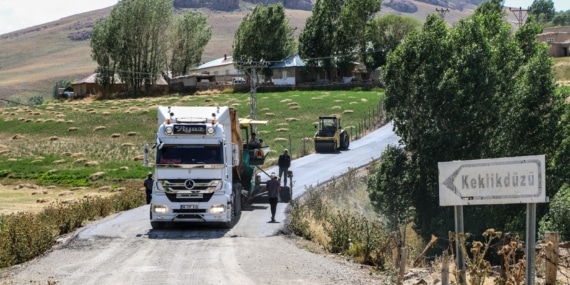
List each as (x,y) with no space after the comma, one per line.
(216,210)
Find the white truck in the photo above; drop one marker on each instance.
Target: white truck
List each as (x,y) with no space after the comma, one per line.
(203,169)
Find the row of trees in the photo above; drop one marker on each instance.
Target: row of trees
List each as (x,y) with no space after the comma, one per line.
(142,38)
(544,12)
(473,91)
(338,33)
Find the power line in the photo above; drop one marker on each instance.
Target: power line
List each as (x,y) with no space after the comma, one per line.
(442,12)
(520,17)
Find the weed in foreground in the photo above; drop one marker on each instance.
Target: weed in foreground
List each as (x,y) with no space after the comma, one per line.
(344,231)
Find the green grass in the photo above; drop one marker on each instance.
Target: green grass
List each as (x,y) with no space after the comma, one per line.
(64,143)
(562,69)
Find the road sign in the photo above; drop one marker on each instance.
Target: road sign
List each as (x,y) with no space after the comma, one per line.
(509,180)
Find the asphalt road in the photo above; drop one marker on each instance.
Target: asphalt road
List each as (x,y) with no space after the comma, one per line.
(124,249)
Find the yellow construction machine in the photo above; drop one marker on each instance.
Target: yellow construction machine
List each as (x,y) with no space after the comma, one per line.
(330,137)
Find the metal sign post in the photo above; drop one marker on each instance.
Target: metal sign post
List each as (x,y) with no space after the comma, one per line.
(510,180)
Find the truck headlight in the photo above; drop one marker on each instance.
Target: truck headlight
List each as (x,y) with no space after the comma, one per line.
(160,209)
(216,209)
(168,130)
(210,130)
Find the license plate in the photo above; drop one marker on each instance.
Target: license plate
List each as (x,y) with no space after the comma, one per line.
(188,207)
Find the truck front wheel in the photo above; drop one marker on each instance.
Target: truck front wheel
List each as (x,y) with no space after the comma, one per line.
(157,225)
(237,204)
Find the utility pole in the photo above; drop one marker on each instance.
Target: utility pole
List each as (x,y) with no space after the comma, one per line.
(442,12)
(250,68)
(520,17)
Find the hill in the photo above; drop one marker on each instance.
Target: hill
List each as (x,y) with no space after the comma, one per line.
(33,59)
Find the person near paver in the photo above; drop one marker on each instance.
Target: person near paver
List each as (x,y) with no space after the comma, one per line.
(273,193)
(284,163)
(254,142)
(148,187)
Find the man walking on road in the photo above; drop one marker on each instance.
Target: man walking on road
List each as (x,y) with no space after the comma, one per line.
(273,194)
(284,162)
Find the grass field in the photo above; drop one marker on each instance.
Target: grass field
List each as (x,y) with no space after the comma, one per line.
(562,70)
(97,146)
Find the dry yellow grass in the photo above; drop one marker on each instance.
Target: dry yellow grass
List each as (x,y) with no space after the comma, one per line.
(33,198)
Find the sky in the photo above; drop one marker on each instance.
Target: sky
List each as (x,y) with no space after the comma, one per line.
(20,14)
(559,5)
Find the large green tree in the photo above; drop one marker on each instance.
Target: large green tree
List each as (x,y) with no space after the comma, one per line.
(350,35)
(133,42)
(265,35)
(561,18)
(334,35)
(384,34)
(389,190)
(543,10)
(316,40)
(470,92)
(103,49)
(189,36)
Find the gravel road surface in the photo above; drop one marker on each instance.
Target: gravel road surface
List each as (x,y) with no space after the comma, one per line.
(124,249)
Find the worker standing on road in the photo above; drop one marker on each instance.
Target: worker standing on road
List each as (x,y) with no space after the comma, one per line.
(148,187)
(284,162)
(273,194)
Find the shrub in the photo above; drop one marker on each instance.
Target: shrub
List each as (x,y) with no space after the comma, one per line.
(35,100)
(558,216)
(345,231)
(24,236)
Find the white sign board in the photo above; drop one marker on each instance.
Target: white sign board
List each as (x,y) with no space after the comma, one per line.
(509,180)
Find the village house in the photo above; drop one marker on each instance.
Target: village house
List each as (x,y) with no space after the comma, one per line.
(558,38)
(214,73)
(288,71)
(89,86)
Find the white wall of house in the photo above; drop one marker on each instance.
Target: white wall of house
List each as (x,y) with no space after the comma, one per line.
(227,69)
(283,77)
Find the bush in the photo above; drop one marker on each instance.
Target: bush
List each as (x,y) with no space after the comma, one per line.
(60,84)
(344,231)
(24,236)
(558,216)
(35,100)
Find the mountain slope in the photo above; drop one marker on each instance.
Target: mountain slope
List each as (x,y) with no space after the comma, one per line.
(33,59)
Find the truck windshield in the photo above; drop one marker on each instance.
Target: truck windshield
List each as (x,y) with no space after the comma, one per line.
(189,154)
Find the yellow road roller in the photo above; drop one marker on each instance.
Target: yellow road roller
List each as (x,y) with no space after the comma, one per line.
(330,137)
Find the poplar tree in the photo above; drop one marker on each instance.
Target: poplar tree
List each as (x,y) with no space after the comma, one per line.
(132,42)
(190,35)
(265,35)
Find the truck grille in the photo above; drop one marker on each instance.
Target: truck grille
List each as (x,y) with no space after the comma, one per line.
(189,210)
(172,197)
(191,186)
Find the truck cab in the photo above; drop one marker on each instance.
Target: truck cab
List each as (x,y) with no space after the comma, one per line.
(203,169)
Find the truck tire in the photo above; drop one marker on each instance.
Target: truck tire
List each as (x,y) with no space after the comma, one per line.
(157,225)
(344,141)
(285,194)
(237,204)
